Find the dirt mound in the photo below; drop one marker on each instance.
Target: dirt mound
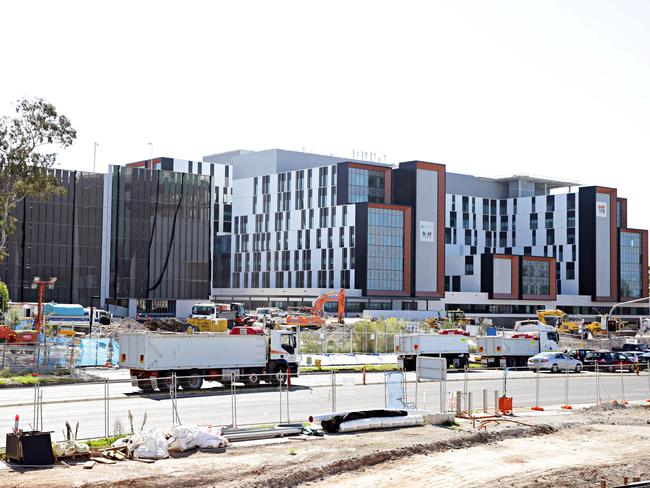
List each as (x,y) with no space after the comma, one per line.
(296,477)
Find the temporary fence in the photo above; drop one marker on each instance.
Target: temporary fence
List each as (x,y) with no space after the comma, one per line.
(114,407)
(53,354)
(98,352)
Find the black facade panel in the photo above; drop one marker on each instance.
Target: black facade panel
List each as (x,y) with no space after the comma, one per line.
(160,238)
(60,237)
(487,274)
(587,241)
(341,183)
(361,247)
(404,189)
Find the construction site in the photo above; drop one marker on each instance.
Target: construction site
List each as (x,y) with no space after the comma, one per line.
(300,397)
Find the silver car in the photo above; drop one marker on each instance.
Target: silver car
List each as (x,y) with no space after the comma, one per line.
(554,362)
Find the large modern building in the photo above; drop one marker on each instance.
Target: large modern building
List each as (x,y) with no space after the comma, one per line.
(413,237)
(281,227)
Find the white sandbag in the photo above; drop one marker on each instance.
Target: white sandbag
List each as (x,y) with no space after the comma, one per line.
(183,437)
(210,438)
(149,445)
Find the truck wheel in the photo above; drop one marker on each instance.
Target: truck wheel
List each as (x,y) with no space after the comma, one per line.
(165,383)
(145,385)
(193,382)
(279,375)
(252,379)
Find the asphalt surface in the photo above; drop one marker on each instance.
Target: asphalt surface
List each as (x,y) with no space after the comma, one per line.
(309,394)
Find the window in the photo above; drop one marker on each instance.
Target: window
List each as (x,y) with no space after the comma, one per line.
(571,201)
(504,222)
(469,265)
(570,270)
(550,237)
(468,237)
(536,277)
(631,269)
(550,203)
(385,249)
(365,185)
(465,221)
(549,220)
(571,236)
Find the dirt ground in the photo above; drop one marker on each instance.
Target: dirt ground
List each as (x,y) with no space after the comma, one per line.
(551,450)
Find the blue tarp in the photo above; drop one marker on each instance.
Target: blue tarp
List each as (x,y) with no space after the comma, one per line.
(63,310)
(95,352)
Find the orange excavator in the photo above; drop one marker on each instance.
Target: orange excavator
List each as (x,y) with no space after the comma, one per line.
(314,317)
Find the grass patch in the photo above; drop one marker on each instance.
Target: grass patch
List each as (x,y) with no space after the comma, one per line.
(106,442)
(28,380)
(357,368)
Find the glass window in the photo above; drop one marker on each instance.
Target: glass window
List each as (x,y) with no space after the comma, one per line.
(536,277)
(631,260)
(385,249)
(365,185)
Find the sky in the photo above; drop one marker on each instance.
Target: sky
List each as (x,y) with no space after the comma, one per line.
(549,88)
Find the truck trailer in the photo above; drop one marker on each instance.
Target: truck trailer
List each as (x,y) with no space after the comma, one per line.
(453,347)
(515,349)
(242,355)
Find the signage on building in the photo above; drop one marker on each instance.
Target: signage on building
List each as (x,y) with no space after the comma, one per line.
(601,209)
(426,231)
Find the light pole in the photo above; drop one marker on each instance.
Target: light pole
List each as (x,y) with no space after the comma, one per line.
(95,157)
(40,285)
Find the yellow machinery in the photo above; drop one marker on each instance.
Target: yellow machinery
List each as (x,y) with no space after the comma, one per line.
(557,319)
(209,324)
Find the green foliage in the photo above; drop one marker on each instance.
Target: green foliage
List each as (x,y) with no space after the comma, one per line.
(24,158)
(13,317)
(105,442)
(4,297)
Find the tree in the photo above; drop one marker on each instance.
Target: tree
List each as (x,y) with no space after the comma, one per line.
(24,158)
(4,297)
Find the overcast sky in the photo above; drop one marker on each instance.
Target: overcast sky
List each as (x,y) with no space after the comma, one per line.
(557,89)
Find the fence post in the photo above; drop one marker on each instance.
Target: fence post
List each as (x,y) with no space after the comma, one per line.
(597,385)
(496,402)
(4,349)
(537,407)
(459,401)
(280,391)
(386,388)
(622,385)
(333,391)
(234,399)
(566,405)
(485,401)
(648,371)
(106,412)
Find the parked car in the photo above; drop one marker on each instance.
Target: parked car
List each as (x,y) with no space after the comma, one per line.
(579,354)
(554,362)
(638,357)
(609,361)
(629,347)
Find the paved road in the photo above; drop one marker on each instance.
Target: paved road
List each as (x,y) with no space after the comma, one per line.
(309,395)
